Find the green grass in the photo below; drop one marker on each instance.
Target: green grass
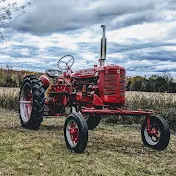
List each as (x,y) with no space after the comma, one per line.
(111,150)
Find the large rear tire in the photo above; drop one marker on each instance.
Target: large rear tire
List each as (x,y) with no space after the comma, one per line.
(76,132)
(31,102)
(161,137)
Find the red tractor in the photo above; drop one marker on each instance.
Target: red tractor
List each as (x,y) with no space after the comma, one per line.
(88,95)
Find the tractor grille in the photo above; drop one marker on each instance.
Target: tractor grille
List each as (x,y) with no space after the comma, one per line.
(110,83)
(122,83)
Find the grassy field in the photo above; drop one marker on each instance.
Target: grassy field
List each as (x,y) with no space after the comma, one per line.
(163,103)
(9,98)
(111,150)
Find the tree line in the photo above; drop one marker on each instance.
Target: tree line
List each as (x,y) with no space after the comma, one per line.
(155,83)
(13,78)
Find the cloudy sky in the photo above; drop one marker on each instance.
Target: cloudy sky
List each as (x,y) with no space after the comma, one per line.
(141,35)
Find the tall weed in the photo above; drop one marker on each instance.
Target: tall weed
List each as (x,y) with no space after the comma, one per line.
(9,98)
(163,103)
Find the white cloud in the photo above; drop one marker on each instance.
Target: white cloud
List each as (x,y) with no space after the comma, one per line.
(141,36)
(143,31)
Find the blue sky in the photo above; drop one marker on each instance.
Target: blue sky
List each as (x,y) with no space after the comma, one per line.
(141,35)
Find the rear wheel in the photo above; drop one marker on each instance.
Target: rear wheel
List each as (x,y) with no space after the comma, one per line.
(160,133)
(76,132)
(31,102)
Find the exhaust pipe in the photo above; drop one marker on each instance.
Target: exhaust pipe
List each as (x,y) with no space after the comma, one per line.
(103,47)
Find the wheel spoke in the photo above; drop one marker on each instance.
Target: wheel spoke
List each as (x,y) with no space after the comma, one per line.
(156,137)
(71,62)
(65,58)
(25,102)
(28,111)
(72,133)
(62,61)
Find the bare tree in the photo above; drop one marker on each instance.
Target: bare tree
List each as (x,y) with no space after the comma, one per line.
(9,12)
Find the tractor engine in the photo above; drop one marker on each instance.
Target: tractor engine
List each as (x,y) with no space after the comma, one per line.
(107,83)
(83,82)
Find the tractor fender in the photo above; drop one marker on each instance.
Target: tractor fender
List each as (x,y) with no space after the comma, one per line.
(45,81)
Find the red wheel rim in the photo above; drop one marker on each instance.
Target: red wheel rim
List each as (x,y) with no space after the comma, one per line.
(26,103)
(72,133)
(155,135)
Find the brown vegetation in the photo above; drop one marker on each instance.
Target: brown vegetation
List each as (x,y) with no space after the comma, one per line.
(13,78)
(163,103)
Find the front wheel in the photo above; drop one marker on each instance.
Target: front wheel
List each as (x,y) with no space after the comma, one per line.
(76,132)
(160,133)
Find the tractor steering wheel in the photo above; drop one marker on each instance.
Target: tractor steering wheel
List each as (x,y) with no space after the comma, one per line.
(65,62)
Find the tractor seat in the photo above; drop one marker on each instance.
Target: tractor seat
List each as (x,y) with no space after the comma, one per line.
(52,73)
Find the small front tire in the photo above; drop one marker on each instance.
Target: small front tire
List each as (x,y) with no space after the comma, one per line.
(159,140)
(76,132)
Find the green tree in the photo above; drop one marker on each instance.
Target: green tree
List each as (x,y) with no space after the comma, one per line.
(138,83)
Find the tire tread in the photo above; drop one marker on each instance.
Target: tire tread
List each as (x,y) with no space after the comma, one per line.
(38,102)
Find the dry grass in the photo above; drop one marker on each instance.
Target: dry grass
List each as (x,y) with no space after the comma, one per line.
(163,103)
(9,98)
(111,150)
(150,99)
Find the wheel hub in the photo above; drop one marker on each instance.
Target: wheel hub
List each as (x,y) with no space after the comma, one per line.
(74,133)
(26,103)
(155,134)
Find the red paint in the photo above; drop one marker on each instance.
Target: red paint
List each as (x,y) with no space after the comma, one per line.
(74,133)
(148,125)
(104,97)
(45,81)
(79,96)
(117,111)
(97,101)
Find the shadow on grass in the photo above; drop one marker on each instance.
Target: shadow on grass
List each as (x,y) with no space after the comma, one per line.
(51,128)
(16,128)
(119,145)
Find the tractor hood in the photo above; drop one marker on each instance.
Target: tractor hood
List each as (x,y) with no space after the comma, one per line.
(89,73)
